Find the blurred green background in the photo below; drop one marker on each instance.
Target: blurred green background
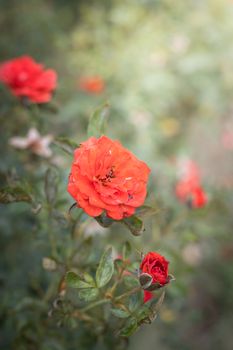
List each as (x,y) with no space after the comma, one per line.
(168,72)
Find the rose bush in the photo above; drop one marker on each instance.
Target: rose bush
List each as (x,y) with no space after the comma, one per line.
(27,78)
(107,177)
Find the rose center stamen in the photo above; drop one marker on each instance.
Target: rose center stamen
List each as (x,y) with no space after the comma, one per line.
(107,178)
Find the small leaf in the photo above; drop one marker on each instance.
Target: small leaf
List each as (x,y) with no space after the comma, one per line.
(120,313)
(134,224)
(104,220)
(145,280)
(96,126)
(130,328)
(89,279)
(126,250)
(105,269)
(146,211)
(14,194)
(50,186)
(88,294)
(66,144)
(171,278)
(75,281)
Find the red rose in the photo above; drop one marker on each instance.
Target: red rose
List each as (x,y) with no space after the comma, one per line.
(27,78)
(153,271)
(93,85)
(188,189)
(107,177)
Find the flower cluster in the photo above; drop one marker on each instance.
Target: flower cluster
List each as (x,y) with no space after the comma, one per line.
(105,177)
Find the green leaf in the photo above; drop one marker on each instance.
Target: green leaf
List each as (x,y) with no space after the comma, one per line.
(104,220)
(50,187)
(146,211)
(120,313)
(134,224)
(14,194)
(135,300)
(66,144)
(145,280)
(131,281)
(89,279)
(126,250)
(105,269)
(142,314)
(30,303)
(88,294)
(171,277)
(130,328)
(97,123)
(75,281)
(147,314)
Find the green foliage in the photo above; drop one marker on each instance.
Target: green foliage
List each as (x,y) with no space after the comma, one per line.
(105,269)
(97,123)
(51,186)
(74,281)
(167,71)
(134,224)
(66,144)
(14,194)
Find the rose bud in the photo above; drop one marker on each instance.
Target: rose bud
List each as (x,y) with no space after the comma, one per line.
(154,271)
(107,178)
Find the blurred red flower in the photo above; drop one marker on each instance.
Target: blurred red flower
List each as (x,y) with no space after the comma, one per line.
(188,189)
(93,85)
(107,177)
(156,266)
(27,78)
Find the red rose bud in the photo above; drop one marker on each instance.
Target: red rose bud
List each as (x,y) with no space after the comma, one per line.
(154,271)
(28,79)
(106,177)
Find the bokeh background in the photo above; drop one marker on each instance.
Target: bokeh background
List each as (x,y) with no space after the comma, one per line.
(167,68)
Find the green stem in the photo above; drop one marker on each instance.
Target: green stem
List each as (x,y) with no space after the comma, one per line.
(130,292)
(51,235)
(97,303)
